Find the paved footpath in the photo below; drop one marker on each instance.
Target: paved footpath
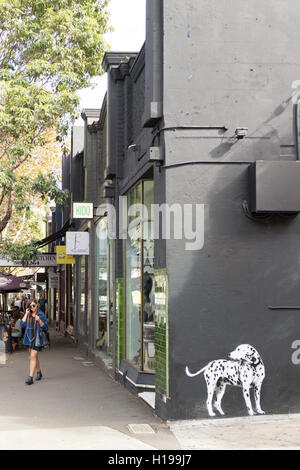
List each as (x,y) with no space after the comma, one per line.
(274,432)
(77,405)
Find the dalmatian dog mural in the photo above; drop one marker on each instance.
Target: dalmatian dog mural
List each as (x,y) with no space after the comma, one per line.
(244,368)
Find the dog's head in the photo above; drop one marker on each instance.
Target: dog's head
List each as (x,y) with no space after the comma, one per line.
(246,353)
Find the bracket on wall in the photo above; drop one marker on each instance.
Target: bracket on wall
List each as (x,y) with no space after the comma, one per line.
(109,190)
(263,218)
(154,154)
(266,217)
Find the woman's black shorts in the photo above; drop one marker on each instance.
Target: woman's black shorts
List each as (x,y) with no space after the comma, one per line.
(36,348)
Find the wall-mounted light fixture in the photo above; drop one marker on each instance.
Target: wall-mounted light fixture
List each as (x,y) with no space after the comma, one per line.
(133,148)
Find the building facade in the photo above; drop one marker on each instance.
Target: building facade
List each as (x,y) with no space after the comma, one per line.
(204,118)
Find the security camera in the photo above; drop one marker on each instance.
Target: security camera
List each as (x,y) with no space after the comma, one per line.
(133,148)
(241,132)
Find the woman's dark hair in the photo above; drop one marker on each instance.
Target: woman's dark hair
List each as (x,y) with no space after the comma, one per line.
(32,301)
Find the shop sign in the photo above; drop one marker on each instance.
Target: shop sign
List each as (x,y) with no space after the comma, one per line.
(53,280)
(78,243)
(62,257)
(42,260)
(83,210)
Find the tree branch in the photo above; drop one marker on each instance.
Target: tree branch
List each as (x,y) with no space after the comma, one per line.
(21,228)
(8,214)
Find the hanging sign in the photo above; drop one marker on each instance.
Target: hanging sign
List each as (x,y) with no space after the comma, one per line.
(42,260)
(53,280)
(62,257)
(83,210)
(78,243)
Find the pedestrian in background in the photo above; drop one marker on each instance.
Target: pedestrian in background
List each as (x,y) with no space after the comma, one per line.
(18,303)
(34,321)
(43,303)
(23,303)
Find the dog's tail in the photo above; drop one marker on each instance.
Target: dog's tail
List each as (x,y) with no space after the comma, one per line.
(188,373)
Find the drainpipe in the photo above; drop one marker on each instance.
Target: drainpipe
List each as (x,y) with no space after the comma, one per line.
(154,63)
(296,121)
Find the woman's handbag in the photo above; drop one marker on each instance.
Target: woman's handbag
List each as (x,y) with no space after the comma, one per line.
(45,339)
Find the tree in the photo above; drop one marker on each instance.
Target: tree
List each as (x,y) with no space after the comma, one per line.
(49,49)
(25,226)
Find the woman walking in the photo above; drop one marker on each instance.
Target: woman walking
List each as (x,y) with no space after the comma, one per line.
(34,321)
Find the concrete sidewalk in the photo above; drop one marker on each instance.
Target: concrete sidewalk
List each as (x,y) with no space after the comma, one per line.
(75,406)
(274,432)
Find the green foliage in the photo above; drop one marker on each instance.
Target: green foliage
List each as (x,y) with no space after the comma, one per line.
(46,186)
(49,49)
(20,251)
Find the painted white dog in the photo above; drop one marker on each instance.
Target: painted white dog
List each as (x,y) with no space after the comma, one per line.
(244,369)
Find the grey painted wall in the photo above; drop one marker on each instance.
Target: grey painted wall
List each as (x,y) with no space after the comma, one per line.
(230,63)
(225,63)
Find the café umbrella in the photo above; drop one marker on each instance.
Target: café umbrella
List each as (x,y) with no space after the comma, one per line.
(10,283)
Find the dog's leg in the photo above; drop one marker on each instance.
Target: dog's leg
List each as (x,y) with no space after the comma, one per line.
(257,389)
(220,390)
(211,384)
(246,393)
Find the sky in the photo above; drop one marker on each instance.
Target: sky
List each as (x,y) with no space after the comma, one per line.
(128,18)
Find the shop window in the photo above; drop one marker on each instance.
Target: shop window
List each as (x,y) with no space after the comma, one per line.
(133,299)
(148,280)
(72,300)
(83,294)
(139,273)
(104,319)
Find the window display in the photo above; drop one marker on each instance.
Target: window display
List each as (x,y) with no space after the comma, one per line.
(133,298)
(101,327)
(83,297)
(140,327)
(104,319)
(148,280)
